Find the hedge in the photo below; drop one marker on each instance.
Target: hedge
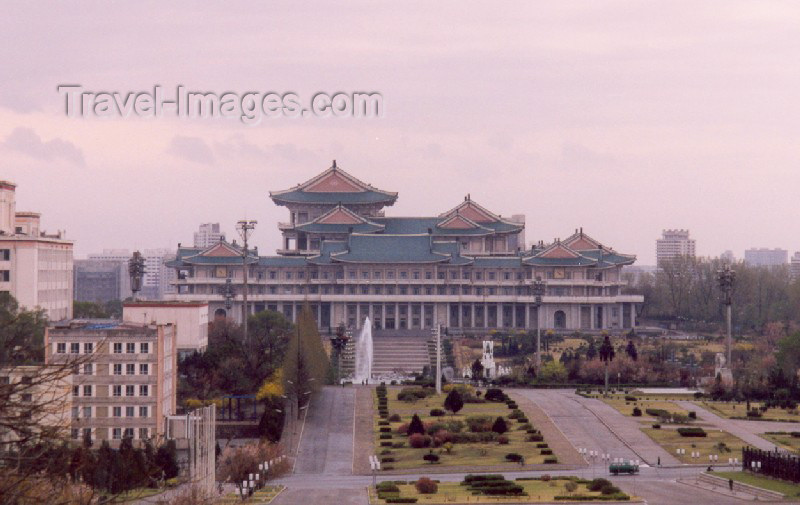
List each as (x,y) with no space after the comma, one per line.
(404,499)
(550,461)
(657,412)
(692,432)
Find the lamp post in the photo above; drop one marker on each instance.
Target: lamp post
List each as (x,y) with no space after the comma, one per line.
(228,293)
(339,342)
(727,278)
(538,292)
(245,228)
(438,333)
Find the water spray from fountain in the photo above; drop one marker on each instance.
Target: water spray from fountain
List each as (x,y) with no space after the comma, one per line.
(363,367)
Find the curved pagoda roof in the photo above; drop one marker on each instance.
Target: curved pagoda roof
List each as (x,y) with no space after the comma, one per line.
(331,187)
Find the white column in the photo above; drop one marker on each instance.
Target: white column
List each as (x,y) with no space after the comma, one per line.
(383,316)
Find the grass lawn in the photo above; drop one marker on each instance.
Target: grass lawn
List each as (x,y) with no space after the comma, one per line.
(671,440)
(466,454)
(790,489)
(733,409)
(626,407)
(454,493)
(783,440)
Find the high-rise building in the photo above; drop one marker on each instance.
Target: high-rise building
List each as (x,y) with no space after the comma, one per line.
(764,257)
(35,267)
(674,244)
(727,256)
(101,280)
(207,235)
(127,383)
(158,279)
(466,268)
(794,266)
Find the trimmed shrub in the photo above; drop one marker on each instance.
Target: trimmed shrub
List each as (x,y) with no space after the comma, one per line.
(637,412)
(418,441)
(537,437)
(395,418)
(494,395)
(598,484)
(477,424)
(387,459)
(413,394)
(415,426)
(403,499)
(753,413)
(499,426)
(502,440)
(542,445)
(431,458)
(657,412)
(692,432)
(398,445)
(385,436)
(546,452)
(386,444)
(437,412)
(383,422)
(522,419)
(385,429)
(550,461)
(426,486)
(692,414)
(656,426)
(516,414)
(629,398)
(387,486)
(514,457)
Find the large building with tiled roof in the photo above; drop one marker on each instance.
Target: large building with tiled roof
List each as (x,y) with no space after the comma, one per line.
(467,269)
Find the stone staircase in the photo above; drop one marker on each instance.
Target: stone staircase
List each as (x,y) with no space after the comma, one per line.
(403,354)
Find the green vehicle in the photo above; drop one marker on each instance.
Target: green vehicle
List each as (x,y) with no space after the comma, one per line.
(618,468)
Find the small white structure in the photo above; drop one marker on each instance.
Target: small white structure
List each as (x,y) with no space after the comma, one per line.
(190,319)
(490,369)
(721,370)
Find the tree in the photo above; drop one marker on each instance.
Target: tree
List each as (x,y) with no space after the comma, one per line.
(415,426)
(305,365)
(237,463)
(591,352)
(553,372)
(454,402)
(631,351)
(167,459)
(606,356)
(499,425)
(477,370)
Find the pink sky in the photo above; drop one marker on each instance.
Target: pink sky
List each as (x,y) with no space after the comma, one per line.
(621,117)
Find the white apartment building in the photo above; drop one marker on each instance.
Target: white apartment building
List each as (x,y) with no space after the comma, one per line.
(35,267)
(674,244)
(794,266)
(207,235)
(158,279)
(763,257)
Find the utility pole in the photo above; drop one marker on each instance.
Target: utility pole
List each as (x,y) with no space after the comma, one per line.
(438,333)
(244,228)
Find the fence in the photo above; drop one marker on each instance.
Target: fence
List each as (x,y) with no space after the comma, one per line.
(779,465)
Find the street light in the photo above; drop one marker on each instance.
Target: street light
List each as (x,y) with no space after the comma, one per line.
(136,270)
(538,291)
(727,278)
(244,228)
(228,293)
(339,342)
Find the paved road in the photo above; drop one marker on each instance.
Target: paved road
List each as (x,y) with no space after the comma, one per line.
(590,423)
(746,430)
(326,444)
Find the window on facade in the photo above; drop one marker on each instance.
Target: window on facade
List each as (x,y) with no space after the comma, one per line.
(87,369)
(26,397)
(117,411)
(87,390)
(377,274)
(351,290)
(143,434)
(61,348)
(143,411)
(88,348)
(144,369)
(390,274)
(453,290)
(87,412)
(365,274)
(428,290)
(116,390)
(403,290)
(75,412)
(506,276)
(76,390)
(87,433)
(364,290)
(415,275)
(351,274)
(403,274)
(416,290)
(144,348)
(453,274)
(117,347)
(478,276)
(5,275)
(301,275)
(130,369)
(116,433)
(128,433)
(74,433)
(389,290)
(465,276)
(129,411)
(117,368)
(144,390)
(5,254)
(440,275)
(492,276)
(273,274)
(130,347)
(130,390)
(74,348)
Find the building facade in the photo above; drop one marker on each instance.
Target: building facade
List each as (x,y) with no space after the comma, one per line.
(101,280)
(674,244)
(35,267)
(158,279)
(189,318)
(125,380)
(466,269)
(763,257)
(207,235)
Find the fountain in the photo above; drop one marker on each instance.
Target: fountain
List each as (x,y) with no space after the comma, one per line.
(363,367)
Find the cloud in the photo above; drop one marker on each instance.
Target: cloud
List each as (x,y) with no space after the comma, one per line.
(579,157)
(192,149)
(27,141)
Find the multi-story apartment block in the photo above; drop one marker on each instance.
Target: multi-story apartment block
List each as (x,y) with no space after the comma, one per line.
(794,265)
(764,257)
(101,280)
(39,394)
(35,267)
(126,379)
(466,269)
(674,244)
(207,235)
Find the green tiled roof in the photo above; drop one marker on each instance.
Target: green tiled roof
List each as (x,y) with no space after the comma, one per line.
(328,247)
(414,225)
(501,262)
(338,228)
(559,262)
(609,258)
(282,261)
(389,249)
(361,197)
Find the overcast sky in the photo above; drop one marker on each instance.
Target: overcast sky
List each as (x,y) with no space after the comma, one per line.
(624,118)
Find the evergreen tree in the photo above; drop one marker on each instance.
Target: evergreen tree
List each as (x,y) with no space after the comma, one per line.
(500,426)
(167,459)
(454,402)
(606,356)
(477,369)
(631,351)
(591,352)
(305,365)
(415,426)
